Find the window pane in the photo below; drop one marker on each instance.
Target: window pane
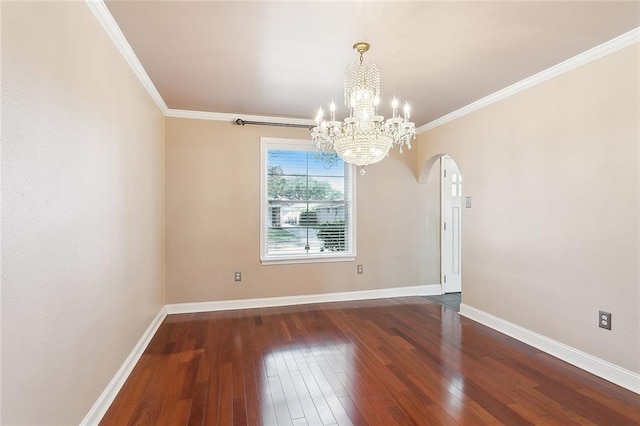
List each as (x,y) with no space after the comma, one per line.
(303,188)
(307,204)
(303,163)
(306,228)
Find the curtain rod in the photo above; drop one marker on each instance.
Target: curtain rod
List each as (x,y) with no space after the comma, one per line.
(241,122)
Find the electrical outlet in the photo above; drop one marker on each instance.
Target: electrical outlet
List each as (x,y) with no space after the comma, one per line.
(360,270)
(238,276)
(604,320)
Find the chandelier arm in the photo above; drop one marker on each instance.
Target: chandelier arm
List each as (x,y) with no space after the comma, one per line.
(364,137)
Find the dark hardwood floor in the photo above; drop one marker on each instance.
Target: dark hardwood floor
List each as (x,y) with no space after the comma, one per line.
(398,361)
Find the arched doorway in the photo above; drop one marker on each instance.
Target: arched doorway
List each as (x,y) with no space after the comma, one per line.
(451,226)
(444,181)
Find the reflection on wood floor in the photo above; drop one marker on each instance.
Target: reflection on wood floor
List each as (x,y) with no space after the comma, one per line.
(379,362)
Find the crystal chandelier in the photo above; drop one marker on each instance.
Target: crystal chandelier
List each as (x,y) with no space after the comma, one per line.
(364,137)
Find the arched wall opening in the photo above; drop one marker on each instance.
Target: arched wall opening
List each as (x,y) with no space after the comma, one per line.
(443,179)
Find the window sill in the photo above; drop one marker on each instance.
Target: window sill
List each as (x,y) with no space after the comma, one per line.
(308,259)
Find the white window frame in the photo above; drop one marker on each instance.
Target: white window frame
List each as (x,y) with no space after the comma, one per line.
(301,145)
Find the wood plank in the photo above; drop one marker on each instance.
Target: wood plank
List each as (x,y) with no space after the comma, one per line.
(389,361)
(630,411)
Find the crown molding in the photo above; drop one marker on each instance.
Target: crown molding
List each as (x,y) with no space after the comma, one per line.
(109,24)
(222,116)
(101,11)
(606,48)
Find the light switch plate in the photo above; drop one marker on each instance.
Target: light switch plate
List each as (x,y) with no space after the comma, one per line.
(468,202)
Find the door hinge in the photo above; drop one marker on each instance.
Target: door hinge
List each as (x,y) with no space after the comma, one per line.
(445,173)
(445,226)
(445,279)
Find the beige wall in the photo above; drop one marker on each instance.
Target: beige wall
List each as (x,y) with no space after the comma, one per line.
(553,234)
(213,211)
(82,211)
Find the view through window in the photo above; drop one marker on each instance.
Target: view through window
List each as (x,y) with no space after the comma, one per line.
(307,206)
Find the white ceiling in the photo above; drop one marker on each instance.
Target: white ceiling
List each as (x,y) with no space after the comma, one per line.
(285,59)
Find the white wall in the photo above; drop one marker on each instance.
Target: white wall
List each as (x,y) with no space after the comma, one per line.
(82,211)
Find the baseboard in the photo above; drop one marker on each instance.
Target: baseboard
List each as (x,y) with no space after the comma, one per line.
(601,368)
(104,401)
(224,305)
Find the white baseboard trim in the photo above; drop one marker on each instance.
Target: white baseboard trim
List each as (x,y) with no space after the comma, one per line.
(104,401)
(601,368)
(225,305)
(102,404)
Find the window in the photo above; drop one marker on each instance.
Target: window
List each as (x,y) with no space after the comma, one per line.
(307,204)
(456,185)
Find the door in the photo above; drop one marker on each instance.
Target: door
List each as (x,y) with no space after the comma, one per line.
(451,202)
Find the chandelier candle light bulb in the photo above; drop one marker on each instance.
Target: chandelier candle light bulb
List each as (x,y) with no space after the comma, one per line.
(364,137)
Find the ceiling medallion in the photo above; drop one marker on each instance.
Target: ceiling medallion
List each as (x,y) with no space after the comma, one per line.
(364,137)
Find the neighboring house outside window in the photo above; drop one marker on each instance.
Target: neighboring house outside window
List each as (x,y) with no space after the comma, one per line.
(307,204)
